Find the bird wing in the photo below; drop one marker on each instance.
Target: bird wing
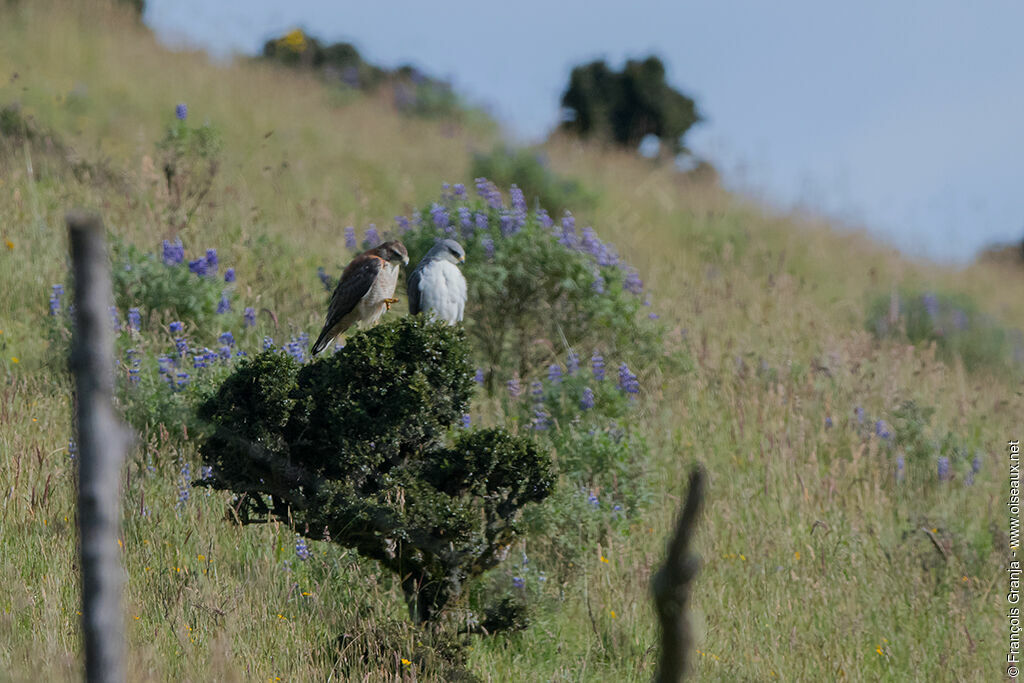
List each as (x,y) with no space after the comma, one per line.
(355,282)
(412,288)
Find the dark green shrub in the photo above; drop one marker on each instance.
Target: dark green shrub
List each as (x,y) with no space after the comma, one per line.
(356,447)
(527,170)
(953,322)
(535,287)
(625,106)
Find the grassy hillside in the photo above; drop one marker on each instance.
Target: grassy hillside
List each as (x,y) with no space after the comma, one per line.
(819,563)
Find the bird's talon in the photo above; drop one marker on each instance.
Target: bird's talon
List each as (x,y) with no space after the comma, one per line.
(388,302)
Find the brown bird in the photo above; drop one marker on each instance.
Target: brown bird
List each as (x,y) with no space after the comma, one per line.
(364,291)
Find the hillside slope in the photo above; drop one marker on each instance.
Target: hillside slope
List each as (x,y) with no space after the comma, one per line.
(823,560)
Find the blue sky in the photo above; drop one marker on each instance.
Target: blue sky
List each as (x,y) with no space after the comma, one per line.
(906,118)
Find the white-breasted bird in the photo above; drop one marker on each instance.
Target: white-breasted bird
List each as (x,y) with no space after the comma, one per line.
(364,291)
(437,286)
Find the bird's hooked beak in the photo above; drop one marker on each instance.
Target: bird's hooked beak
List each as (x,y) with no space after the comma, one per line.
(405,260)
(462,259)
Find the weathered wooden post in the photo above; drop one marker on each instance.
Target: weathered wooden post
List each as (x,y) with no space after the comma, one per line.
(101,446)
(671,586)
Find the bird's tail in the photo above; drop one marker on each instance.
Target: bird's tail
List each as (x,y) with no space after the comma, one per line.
(321,342)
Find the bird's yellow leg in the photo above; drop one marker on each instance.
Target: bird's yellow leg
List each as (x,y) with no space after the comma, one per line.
(388,302)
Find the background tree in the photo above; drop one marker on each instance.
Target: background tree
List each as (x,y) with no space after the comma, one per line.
(625,106)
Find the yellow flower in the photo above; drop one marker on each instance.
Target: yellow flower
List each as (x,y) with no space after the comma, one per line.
(879,650)
(14,359)
(604,559)
(201,557)
(294,40)
(796,556)
(10,245)
(613,614)
(406,662)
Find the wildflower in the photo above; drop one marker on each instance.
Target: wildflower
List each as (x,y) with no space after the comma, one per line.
(301,549)
(229,275)
(134,318)
(859,412)
(115,319)
(633,283)
(211,260)
(226,338)
(944,469)
(176,327)
(296,350)
(537,391)
(372,238)
(350,237)
(486,189)
(597,285)
(517,198)
(506,225)
(597,366)
(198,266)
(224,352)
(543,218)
(653,316)
(72,449)
(568,237)
(10,245)
(224,305)
(589,243)
(882,430)
(828,422)
(627,380)
(592,499)
(466,420)
(480,219)
(976,463)
(479,376)
(181,112)
(206,472)
(554,373)
(198,362)
(465,220)
(406,662)
(459,191)
(518,582)
(173,253)
(268,342)
(250,316)
(439,215)
(184,484)
(541,419)
(488,245)
(587,400)
(900,468)
(572,363)
(514,388)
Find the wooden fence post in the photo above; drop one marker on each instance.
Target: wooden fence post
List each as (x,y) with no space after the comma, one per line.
(671,586)
(102,441)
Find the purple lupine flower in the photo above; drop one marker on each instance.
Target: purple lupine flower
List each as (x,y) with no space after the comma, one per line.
(173,253)
(828,422)
(181,111)
(198,266)
(465,220)
(568,237)
(518,582)
(488,245)
(554,373)
(480,220)
(301,550)
(226,338)
(206,472)
(372,237)
(134,319)
(115,319)
(944,472)
(268,343)
(517,198)
(403,223)
(489,191)
(181,344)
(459,191)
(325,279)
(184,485)
(590,243)
(633,283)
(72,449)
(350,237)
(976,463)
(572,363)
(164,364)
(900,468)
(543,218)
(229,275)
(224,352)
(466,420)
(653,316)
(224,305)
(541,419)
(597,366)
(515,390)
(931,305)
(593,500)
(597,286)
(859,412)
(479,376)
(211,261)
(627,380)
(439,215)
(537,391)
(587,400)
(506,224)
(198,362)
(296,350)
(250,316)
(882,430)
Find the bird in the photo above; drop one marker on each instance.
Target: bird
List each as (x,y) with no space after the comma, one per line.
(436,286)
(364,291)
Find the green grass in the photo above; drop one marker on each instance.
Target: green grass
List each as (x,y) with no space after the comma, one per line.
(815,564)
